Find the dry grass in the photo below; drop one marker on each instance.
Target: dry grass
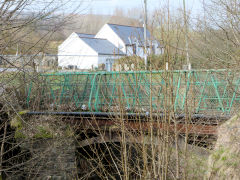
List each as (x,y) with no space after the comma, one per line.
(224,162)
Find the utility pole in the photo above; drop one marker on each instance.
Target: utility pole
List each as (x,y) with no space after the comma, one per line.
(145,33)
(186,35)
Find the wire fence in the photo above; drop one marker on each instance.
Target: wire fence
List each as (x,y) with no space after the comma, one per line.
(202,92)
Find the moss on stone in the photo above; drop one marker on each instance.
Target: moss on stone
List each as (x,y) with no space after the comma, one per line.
(19,134)
(16,122)
(23,112)
(40,128)
(69,132)
(43,133)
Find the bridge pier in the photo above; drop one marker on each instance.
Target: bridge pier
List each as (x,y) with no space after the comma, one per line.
(51,159)
(53,154)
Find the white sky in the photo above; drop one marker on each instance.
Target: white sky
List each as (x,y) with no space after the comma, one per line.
(108,6)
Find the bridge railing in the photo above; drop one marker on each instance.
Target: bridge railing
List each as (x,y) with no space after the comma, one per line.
(205,91)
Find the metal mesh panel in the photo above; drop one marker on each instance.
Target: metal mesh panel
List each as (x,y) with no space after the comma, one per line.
(210,91)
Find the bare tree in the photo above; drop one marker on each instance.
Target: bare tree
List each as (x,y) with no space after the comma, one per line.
(27,27)
(216,39)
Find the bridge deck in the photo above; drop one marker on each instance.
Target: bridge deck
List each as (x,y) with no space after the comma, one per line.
(200,124)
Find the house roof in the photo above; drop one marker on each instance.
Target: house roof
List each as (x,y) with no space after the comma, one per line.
(130,34)
(82,35)
(102,46)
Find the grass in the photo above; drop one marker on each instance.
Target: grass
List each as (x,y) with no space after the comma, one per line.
(43,133)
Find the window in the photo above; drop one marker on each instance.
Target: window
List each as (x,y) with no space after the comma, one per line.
(71,67)
(109,64)
(134,49)
(154,49)
(1,60)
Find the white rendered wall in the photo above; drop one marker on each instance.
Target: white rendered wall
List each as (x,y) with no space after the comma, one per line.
(108,60)
(159,51)
(107,33)
(75,52)
(129,50)
(139,51)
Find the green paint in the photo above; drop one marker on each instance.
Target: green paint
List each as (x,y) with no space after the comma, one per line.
(99,90)
(97,94)
(177,91)
(215,84)
(29,93)
(113,85)
(188,82)
(124,92)
(93,87)
(202,95)
(234,95)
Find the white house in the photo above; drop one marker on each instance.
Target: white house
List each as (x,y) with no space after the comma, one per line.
(87,51)
(129,39)
(83,51)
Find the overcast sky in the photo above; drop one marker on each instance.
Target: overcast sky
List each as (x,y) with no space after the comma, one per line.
(108,6)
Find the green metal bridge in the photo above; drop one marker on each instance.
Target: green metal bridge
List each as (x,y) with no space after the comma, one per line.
(197,91)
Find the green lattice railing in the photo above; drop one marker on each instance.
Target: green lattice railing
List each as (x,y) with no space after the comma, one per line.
(205,91)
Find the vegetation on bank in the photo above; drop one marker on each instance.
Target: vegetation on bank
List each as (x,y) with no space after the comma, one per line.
(43,127)
(211,41)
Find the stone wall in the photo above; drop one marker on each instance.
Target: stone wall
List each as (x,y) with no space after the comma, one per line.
(51,159)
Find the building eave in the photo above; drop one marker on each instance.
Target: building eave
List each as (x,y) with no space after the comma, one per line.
(104,54)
